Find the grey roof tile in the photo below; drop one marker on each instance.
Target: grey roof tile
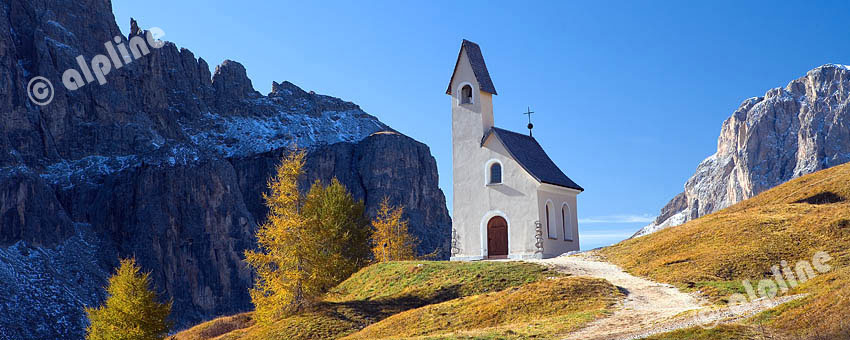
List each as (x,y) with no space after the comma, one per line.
(530,155)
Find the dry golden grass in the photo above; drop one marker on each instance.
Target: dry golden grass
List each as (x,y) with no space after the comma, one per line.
(724,332)
(377,292)
(319,324)
(215,328)
(824,314)
(537,310)
(790,222)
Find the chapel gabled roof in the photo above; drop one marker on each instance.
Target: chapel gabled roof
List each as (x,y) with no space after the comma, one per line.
(530,155)
(479,68)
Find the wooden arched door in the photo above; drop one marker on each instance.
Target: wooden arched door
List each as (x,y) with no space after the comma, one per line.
(497,238)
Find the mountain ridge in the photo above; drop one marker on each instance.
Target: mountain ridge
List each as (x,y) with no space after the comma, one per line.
(166,162)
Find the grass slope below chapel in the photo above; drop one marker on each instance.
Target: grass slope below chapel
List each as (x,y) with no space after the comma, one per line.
(790,222)
(435,300)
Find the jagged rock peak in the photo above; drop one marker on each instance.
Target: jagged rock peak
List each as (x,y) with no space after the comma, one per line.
(286,89)
(231,79)
(134,27)
(789,132)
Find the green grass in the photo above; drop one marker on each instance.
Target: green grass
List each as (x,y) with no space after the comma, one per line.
(379,291)
(434,281)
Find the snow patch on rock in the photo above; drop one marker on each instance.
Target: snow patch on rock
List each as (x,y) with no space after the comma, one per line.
(47,288)
(236,136)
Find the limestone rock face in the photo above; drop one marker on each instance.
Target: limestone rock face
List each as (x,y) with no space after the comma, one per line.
(166,163)
(387,164)
(29,210)
(382,165)
(789,132)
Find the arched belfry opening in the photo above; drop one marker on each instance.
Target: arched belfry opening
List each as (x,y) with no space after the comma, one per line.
(497,238)
(466,94)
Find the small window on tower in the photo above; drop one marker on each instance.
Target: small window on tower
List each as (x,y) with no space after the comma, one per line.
(466,94)
(496,173)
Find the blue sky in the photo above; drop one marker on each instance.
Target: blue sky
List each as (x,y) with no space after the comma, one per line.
(629,98)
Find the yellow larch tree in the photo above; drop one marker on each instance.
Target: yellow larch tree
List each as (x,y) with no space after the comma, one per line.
(341,225)
(391,240)
(308,244)
(282,243)
(131,311)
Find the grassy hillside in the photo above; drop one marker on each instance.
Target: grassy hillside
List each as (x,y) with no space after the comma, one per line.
(431,281)
(537,310)
(510,300)
(724,332)
(790,222)
(217,327)
(380,291)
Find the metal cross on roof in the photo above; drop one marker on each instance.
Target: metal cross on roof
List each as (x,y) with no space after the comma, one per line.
(530,126)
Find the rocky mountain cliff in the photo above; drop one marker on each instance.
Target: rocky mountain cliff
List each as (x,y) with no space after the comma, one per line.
(791,131)
(166,162)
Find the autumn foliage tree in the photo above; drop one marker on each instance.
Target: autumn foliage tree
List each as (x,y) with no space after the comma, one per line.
(341,225)
(131,311)
(279,265)
(308,244)
(391,240)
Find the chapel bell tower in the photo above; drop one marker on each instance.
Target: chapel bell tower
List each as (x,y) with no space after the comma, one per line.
(472,95)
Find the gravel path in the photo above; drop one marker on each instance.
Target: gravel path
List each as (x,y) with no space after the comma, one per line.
(649,307)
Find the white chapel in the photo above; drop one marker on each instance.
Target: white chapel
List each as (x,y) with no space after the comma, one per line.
(510,199)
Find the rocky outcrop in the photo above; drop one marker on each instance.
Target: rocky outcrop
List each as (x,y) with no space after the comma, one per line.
(789,132)
(167,163)
(29,210)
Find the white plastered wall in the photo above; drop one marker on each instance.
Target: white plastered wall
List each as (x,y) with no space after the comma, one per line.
(558,197)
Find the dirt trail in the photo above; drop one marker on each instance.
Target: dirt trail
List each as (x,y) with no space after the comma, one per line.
(649,307)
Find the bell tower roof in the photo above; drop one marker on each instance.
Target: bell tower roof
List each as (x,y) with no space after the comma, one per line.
(479,68)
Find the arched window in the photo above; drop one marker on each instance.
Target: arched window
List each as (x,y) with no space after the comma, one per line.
(566,219)
(466,94)
(495,173)
(549,227)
